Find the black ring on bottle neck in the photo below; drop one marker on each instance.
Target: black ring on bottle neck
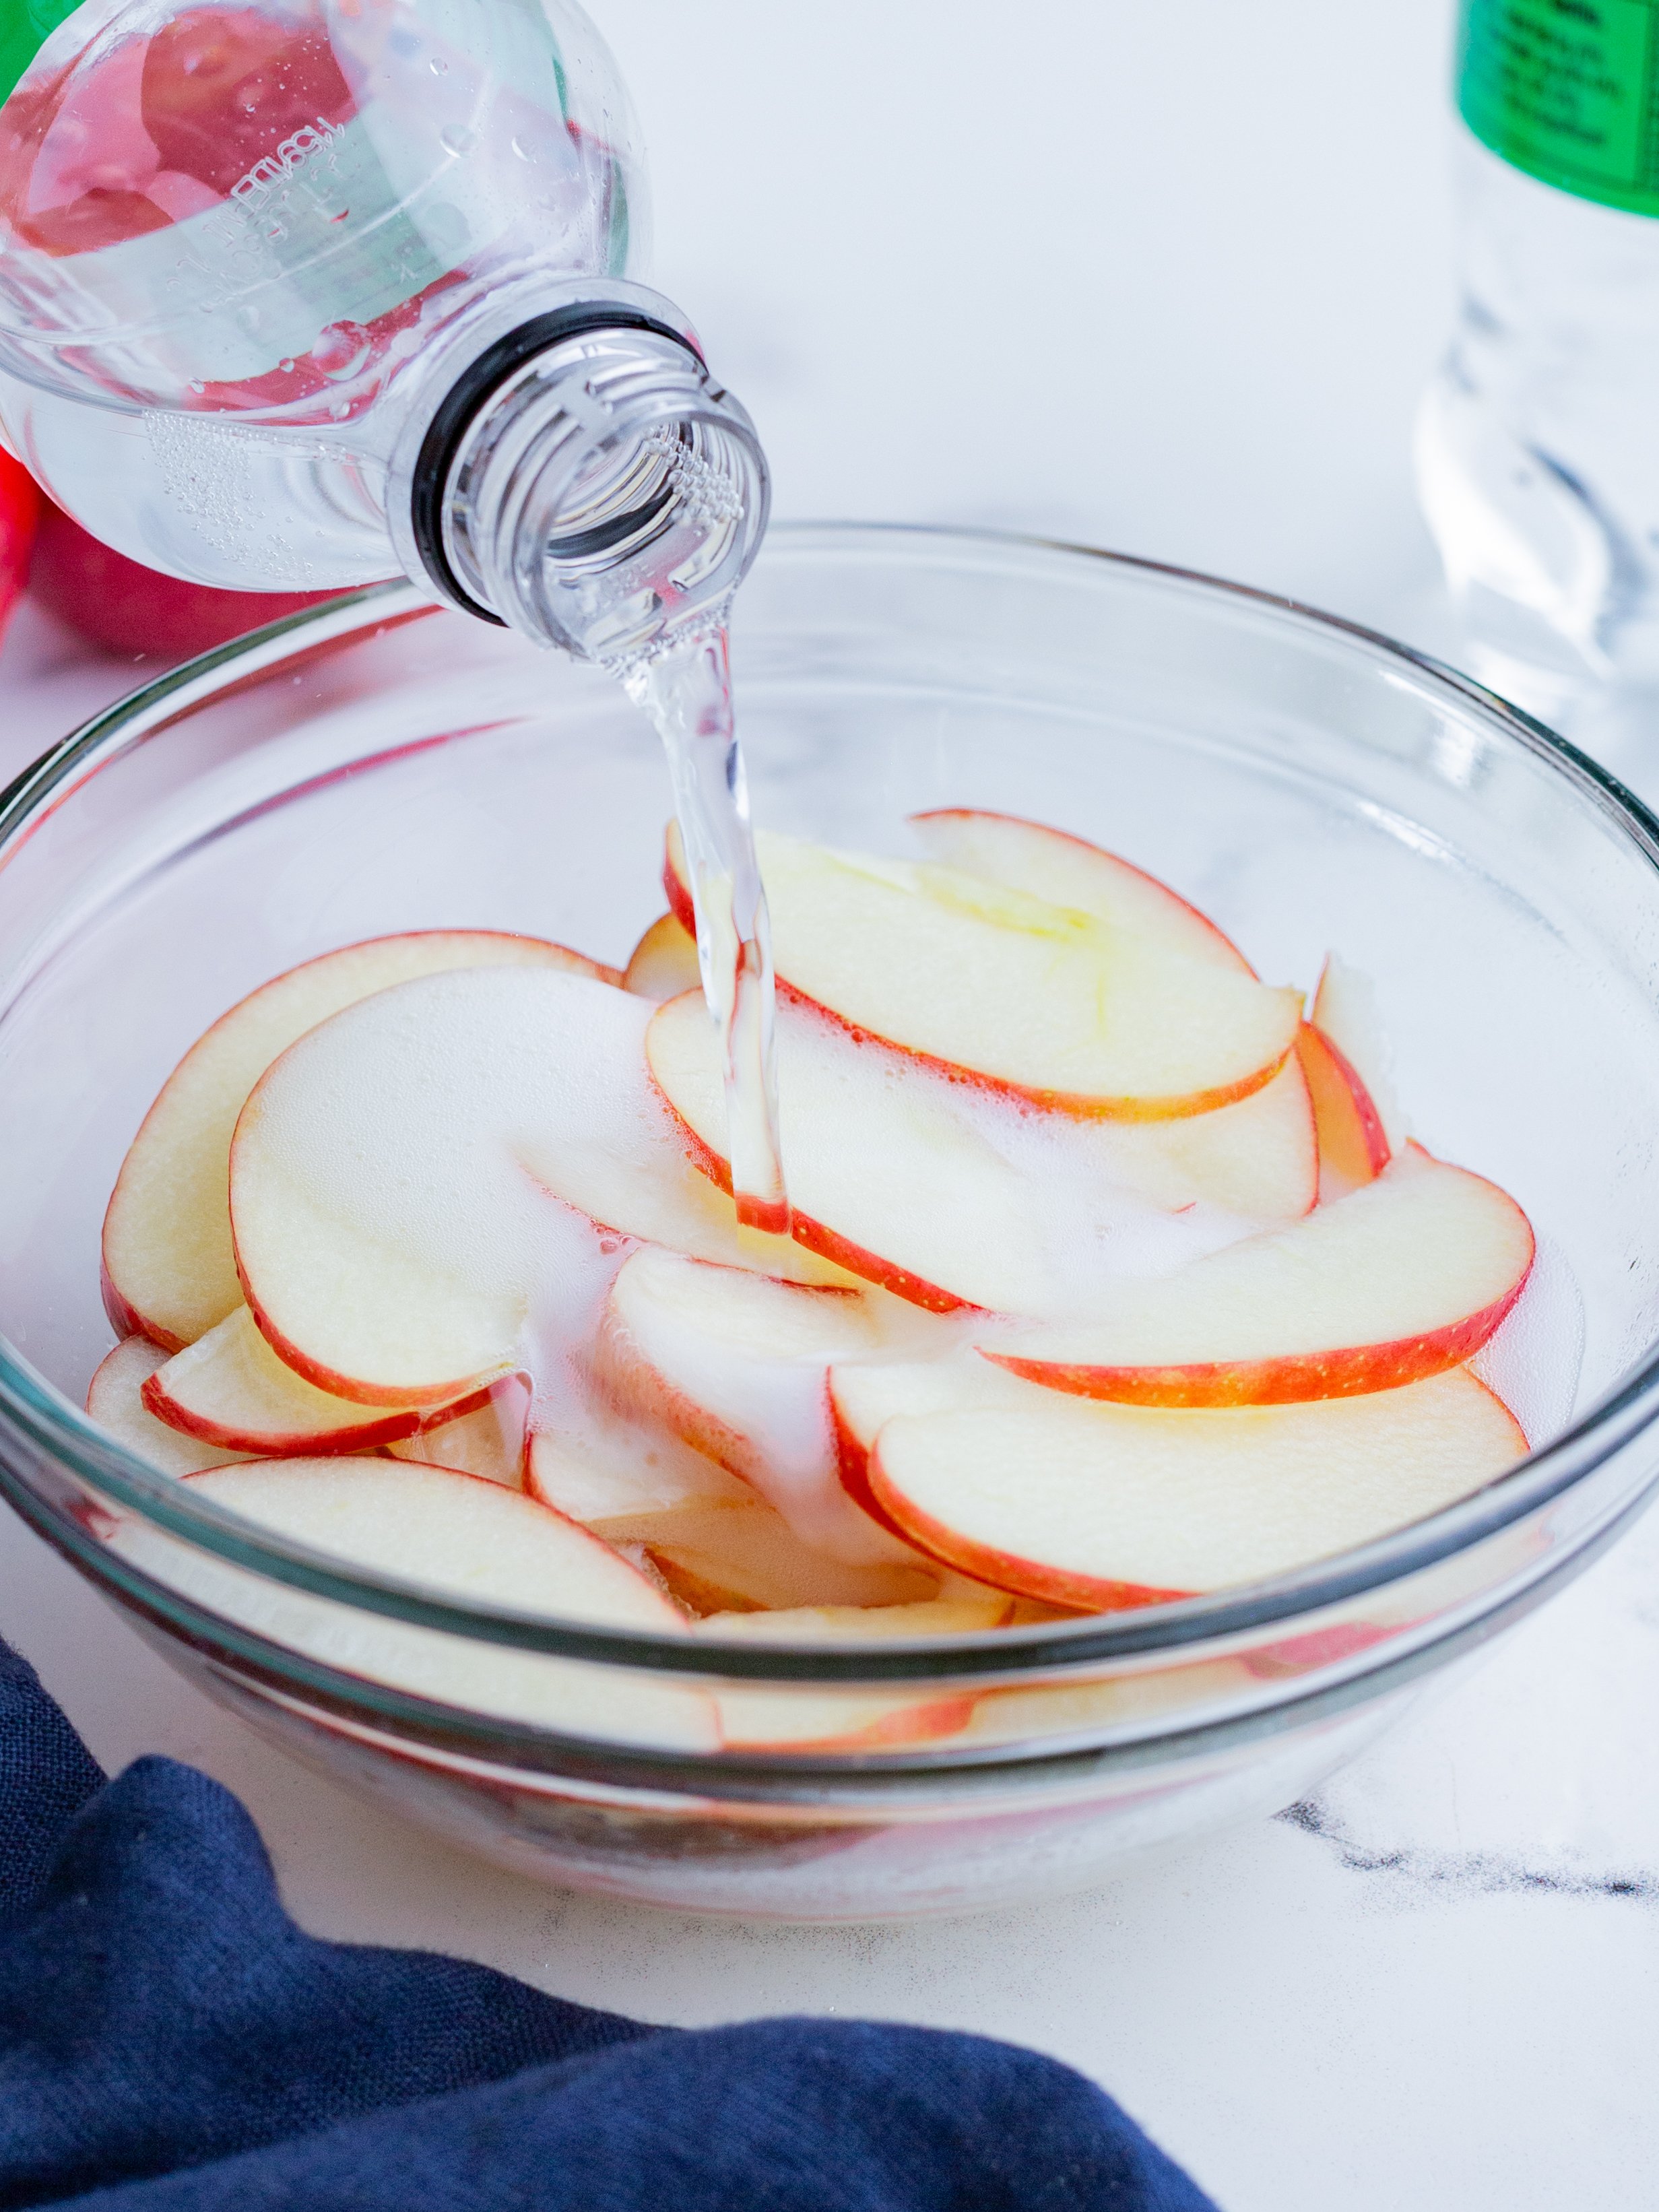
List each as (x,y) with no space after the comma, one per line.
(461,403)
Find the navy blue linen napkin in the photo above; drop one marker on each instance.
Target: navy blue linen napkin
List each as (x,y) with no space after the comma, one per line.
(170,2042)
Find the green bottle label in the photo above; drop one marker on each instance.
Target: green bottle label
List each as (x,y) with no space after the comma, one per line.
(25,27)
(1567,90)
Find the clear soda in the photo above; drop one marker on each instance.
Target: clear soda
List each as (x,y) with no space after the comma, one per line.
(1538,441)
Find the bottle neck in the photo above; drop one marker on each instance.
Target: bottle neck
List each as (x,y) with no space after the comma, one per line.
(584,481)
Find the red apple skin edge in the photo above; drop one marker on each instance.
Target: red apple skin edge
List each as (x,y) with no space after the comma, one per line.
(125,1319)
(364,1436)
(1003,1570)
(1351,1138)
(1290,1379)
(817,1238)
(20,513)
(127,609)
(1077,1108)
(348,1387)
(1085,845)
(852,1465)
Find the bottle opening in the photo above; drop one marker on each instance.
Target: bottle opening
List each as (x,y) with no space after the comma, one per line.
(596,489)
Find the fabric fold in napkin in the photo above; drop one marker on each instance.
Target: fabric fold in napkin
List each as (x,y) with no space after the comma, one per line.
(170,2041)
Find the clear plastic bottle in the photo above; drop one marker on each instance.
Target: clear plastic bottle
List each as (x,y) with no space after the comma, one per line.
(298,294)
(1538,443)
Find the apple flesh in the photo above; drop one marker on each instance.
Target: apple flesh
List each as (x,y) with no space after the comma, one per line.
(737,1365)
(229,1388)
(458,1537)
(1068,871)
(488,1440)
(1258,1158)
(864,1624)
(799,1718)
(1345,1012)
(415,1174)
(1103,1506)
(716,1544)
(1043,1002)
(169,1268)
(664,963)
(115,1400)
(898,1178)
(1401,1280)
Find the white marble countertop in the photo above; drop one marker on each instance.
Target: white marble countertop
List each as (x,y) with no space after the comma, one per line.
(1167,280)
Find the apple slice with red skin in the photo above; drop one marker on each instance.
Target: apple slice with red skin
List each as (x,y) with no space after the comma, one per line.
(230,1388)
(415,1174)
(717,1546)
(1105,1506)
(1345,1012)
(1353,1146)
(1258,1158)
(737,1364)
(664,963)
(799,1720)
(459,1537)
(115,1400)
(885,1178)
(1068,871)
(1401,1279)
(796,1718)
(487,1439)
(169,1269)
(1039,1001)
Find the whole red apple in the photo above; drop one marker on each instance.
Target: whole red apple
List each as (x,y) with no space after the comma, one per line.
(126,608)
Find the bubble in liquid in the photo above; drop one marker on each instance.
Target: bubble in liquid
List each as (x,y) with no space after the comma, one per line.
(456,138)
(438,66)
(523,149)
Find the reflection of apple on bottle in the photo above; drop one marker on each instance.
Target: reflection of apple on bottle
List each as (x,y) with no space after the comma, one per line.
(114,603)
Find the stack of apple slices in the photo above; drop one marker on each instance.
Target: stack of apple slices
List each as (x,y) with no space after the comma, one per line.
(1111,1278)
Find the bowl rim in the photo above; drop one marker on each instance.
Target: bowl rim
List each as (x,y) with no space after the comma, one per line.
(53,1424)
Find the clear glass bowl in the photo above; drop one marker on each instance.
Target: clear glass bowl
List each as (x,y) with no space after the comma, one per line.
(380,765)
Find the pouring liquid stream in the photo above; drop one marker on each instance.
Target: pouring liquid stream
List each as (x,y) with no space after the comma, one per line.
(687,692)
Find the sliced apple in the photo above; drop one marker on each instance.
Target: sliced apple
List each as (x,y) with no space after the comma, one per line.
(487,1440)
(737,1364)
(1042,1001)
(716,1545)
(1353,1146)
(1345,1012)
(416,1175)
(664,963)
(864,1624)
(628,1485)
(1105,1506)
(802,1720)
(885,1178)
(1258,1158)
(796,1717)
(1401,1280)
(862,1397)
(1067,871)
(229,1388)
(169,1271)
(115,1400)
(458,1536)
